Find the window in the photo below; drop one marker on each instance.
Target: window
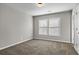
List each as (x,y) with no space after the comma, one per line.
(54,27)
(43,27)
(49,27)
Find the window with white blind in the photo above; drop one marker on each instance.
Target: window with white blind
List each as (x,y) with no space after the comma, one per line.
(43,27)
(49,27)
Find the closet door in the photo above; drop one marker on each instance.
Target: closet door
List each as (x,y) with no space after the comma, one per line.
(73,26)
(76,28)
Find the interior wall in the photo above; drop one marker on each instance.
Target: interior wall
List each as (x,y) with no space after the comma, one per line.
(65,26)
(15,26)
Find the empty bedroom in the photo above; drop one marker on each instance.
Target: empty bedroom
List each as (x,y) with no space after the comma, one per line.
(39,28)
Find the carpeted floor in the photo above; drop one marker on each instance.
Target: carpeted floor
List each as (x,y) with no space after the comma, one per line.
(40,47)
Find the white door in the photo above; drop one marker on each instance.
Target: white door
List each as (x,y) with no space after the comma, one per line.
(76,29)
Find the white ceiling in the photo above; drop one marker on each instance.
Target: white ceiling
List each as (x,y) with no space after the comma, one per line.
(32,9)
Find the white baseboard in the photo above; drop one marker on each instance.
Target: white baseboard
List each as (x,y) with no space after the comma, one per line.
(16,43)
(53,40)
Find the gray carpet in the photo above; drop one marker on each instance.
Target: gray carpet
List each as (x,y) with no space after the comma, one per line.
(40,47)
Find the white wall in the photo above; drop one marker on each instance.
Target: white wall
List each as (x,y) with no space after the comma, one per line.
(65,18)
(15,26)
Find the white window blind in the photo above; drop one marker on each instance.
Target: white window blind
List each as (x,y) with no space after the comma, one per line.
(43,27)
(54,26)
(49,27)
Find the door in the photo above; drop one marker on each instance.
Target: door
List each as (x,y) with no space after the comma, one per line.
(76,28)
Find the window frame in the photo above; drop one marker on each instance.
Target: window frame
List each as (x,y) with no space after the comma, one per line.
(48,27)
